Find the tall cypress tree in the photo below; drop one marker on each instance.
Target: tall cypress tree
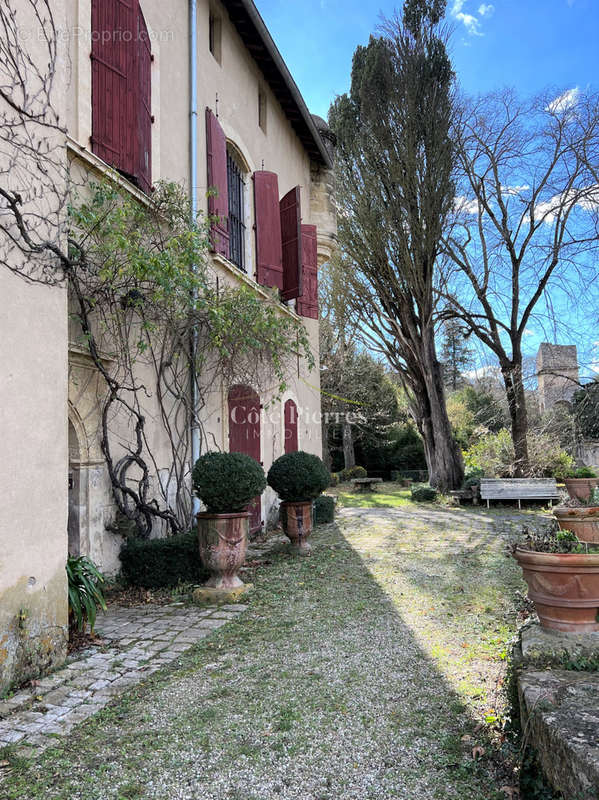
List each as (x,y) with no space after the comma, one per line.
(394,177)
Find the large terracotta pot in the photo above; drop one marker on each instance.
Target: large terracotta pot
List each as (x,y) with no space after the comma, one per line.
(564,588)
(296,519)
(223,540)
(584,522)
(581,488)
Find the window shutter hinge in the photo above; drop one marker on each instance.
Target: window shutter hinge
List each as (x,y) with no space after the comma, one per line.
(152,57)
(152,118)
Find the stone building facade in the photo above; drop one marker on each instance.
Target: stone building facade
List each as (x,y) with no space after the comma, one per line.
(57,492)
(557,373)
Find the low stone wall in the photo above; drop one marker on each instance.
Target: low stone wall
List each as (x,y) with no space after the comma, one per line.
(559,708)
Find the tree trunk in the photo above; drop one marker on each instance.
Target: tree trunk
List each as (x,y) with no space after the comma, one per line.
(326,451)
(516,400)
(443,457)
(349,457)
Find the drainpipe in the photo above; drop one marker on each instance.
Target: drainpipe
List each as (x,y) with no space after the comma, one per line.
(193,180)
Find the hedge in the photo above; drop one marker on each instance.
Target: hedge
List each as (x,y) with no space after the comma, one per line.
(158,563)
(423,494)
(324,509)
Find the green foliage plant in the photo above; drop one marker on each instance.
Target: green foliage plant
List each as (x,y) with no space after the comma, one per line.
(581,472)
(423,494)
(227,482)
(493,456)
(324,509)
(353,472)
(163,562)
(85,590)
(298,477)
(551,539)
(143,288)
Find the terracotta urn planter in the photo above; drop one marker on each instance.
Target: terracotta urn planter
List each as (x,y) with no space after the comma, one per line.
(581,488)
(223,540)
(564,588)
(583,521)
(296,519)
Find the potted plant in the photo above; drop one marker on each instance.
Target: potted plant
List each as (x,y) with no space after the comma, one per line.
(225,483)
(562,574)
(580,516)
(581,482)
(298,478)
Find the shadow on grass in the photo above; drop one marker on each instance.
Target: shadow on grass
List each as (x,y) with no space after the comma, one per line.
(320,690)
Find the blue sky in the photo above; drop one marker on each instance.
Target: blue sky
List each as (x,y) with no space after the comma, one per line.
(528,44)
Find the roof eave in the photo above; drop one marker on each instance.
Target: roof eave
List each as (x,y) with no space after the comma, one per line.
(319,151)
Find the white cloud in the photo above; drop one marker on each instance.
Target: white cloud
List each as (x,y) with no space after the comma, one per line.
(470,22)
(486,10)
(465,205)
(585,198)
(515,190)
(529,332)
(564,102)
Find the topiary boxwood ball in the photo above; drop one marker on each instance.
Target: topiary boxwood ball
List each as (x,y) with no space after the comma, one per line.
(298,477)
(227,482)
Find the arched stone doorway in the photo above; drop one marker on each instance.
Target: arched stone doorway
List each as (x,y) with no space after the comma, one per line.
(244,435)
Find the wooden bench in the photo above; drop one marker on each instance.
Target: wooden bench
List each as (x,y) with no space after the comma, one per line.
(518,489)
(365,484)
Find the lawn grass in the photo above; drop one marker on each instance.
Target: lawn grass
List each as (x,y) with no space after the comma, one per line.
(386,495)
(359,673)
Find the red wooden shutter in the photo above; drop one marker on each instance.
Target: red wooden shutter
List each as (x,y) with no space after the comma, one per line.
(291,440)
(292,244)
(269,251)
(218,200)
(307,304)
(143,170)
(113,107)
(122,88)
(244,435)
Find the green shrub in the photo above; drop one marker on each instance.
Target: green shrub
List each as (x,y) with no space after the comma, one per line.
(493,456)
(227,482)
(354,472)
(395,475)
(581,472)
(159,563)
(334,479)
(324,509)
(472,478)
(423,494)
(298,476)
(85,590)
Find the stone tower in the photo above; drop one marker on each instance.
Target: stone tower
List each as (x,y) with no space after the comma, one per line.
(557,373)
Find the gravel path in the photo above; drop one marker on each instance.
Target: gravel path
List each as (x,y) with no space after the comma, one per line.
(361,672)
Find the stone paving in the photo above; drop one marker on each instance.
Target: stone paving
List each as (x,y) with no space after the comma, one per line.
(137,641)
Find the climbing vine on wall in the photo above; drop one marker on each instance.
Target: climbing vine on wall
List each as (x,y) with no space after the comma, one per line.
(156,320)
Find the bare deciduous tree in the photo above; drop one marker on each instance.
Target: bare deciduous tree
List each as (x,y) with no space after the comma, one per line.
(524,238)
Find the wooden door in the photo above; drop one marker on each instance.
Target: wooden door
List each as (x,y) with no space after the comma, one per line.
(244,436)
(291,440)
